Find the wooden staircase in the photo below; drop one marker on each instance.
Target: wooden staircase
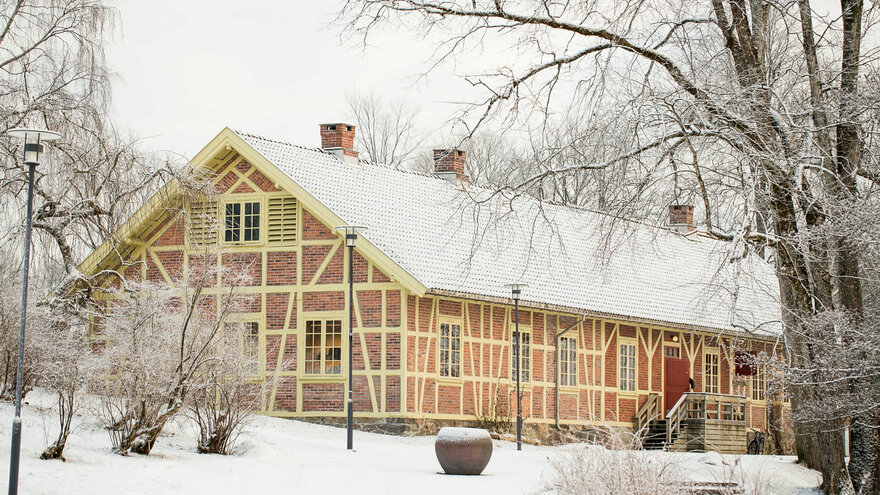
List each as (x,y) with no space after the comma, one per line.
(655,437)
(697,422)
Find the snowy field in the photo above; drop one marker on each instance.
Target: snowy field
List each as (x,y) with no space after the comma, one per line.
(283,456)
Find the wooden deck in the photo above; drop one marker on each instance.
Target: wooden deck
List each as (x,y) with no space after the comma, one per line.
(697,422)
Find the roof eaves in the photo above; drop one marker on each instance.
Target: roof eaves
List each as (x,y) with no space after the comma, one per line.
(727,332)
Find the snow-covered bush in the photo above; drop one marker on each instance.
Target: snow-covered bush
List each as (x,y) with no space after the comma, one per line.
(224,394)
(593,469)
(157,342)
(66,364)
(10,314)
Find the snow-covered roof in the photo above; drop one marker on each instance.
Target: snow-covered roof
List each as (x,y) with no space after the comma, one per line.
(467,239)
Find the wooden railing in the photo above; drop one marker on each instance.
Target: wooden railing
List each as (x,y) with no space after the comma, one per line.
(649,411)
(702,406)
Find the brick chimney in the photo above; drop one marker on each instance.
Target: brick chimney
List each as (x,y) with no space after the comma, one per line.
(339,139)
(681,218)
(449,164)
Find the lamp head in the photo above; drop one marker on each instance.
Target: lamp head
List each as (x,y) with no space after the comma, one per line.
(33,142)
(516,289)
(350,233)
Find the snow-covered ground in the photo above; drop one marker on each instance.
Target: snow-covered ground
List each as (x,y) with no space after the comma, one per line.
(283,456)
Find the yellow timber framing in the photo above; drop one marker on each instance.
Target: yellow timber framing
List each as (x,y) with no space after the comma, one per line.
(223,144)
(598,332)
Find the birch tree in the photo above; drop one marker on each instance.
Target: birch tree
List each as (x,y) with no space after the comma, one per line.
(53,75)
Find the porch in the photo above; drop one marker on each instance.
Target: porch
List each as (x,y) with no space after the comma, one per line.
(697,422)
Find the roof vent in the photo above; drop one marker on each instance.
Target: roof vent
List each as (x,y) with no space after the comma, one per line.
(339,139)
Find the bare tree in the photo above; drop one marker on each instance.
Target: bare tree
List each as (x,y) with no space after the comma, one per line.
(388,131)
(53,75)
(742,108)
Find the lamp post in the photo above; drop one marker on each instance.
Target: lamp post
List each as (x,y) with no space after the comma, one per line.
(350,239)
(33,148)
(515,290)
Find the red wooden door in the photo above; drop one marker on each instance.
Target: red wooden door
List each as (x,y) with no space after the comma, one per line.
(677,380)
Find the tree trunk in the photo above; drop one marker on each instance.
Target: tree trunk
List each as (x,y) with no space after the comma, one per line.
(820,444)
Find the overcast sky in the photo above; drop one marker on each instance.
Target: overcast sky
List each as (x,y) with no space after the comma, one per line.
(186,69)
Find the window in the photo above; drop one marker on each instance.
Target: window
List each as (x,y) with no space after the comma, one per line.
(567,362)
(710,376)
(627,367)
(281,224)
(246,337)
(524,357)
(250,340)
(242,222)
(323,347)
(759,383)
(672,351)
(450,350)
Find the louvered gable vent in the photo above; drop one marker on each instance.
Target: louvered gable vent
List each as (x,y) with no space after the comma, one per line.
(203,221)
(282,219)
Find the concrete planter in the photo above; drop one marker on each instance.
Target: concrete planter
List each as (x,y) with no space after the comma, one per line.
(463,450)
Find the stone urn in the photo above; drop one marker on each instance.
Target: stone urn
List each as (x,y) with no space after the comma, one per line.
(463,450)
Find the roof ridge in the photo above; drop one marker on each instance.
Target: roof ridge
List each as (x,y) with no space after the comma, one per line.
(493,189)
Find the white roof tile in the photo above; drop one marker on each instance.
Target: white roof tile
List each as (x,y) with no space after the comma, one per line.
(476,240)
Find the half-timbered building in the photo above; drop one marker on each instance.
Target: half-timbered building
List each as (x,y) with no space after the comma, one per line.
(618,320)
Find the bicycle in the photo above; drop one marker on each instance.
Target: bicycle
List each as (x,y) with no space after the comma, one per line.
(756,446)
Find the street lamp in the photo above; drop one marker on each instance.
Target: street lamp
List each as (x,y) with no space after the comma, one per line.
(515,290)
(33,148)
(350,239)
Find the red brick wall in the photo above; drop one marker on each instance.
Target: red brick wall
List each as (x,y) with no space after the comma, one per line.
(285,395)
(323,397)
(370,306)
(324,301)
(250,264)
(276,310)
(281,268)
(314,230)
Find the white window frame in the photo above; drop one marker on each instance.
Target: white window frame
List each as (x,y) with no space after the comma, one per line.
(712,372)
(324,355)
(759,384)
(627,362)
(675,346)
(568,360)
(525,358)
(450,354)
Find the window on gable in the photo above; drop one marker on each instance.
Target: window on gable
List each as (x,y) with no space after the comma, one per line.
(323,347)
(711,375)
(627,368)
(567,362)
(242,222)
(450,350)
(524,357)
